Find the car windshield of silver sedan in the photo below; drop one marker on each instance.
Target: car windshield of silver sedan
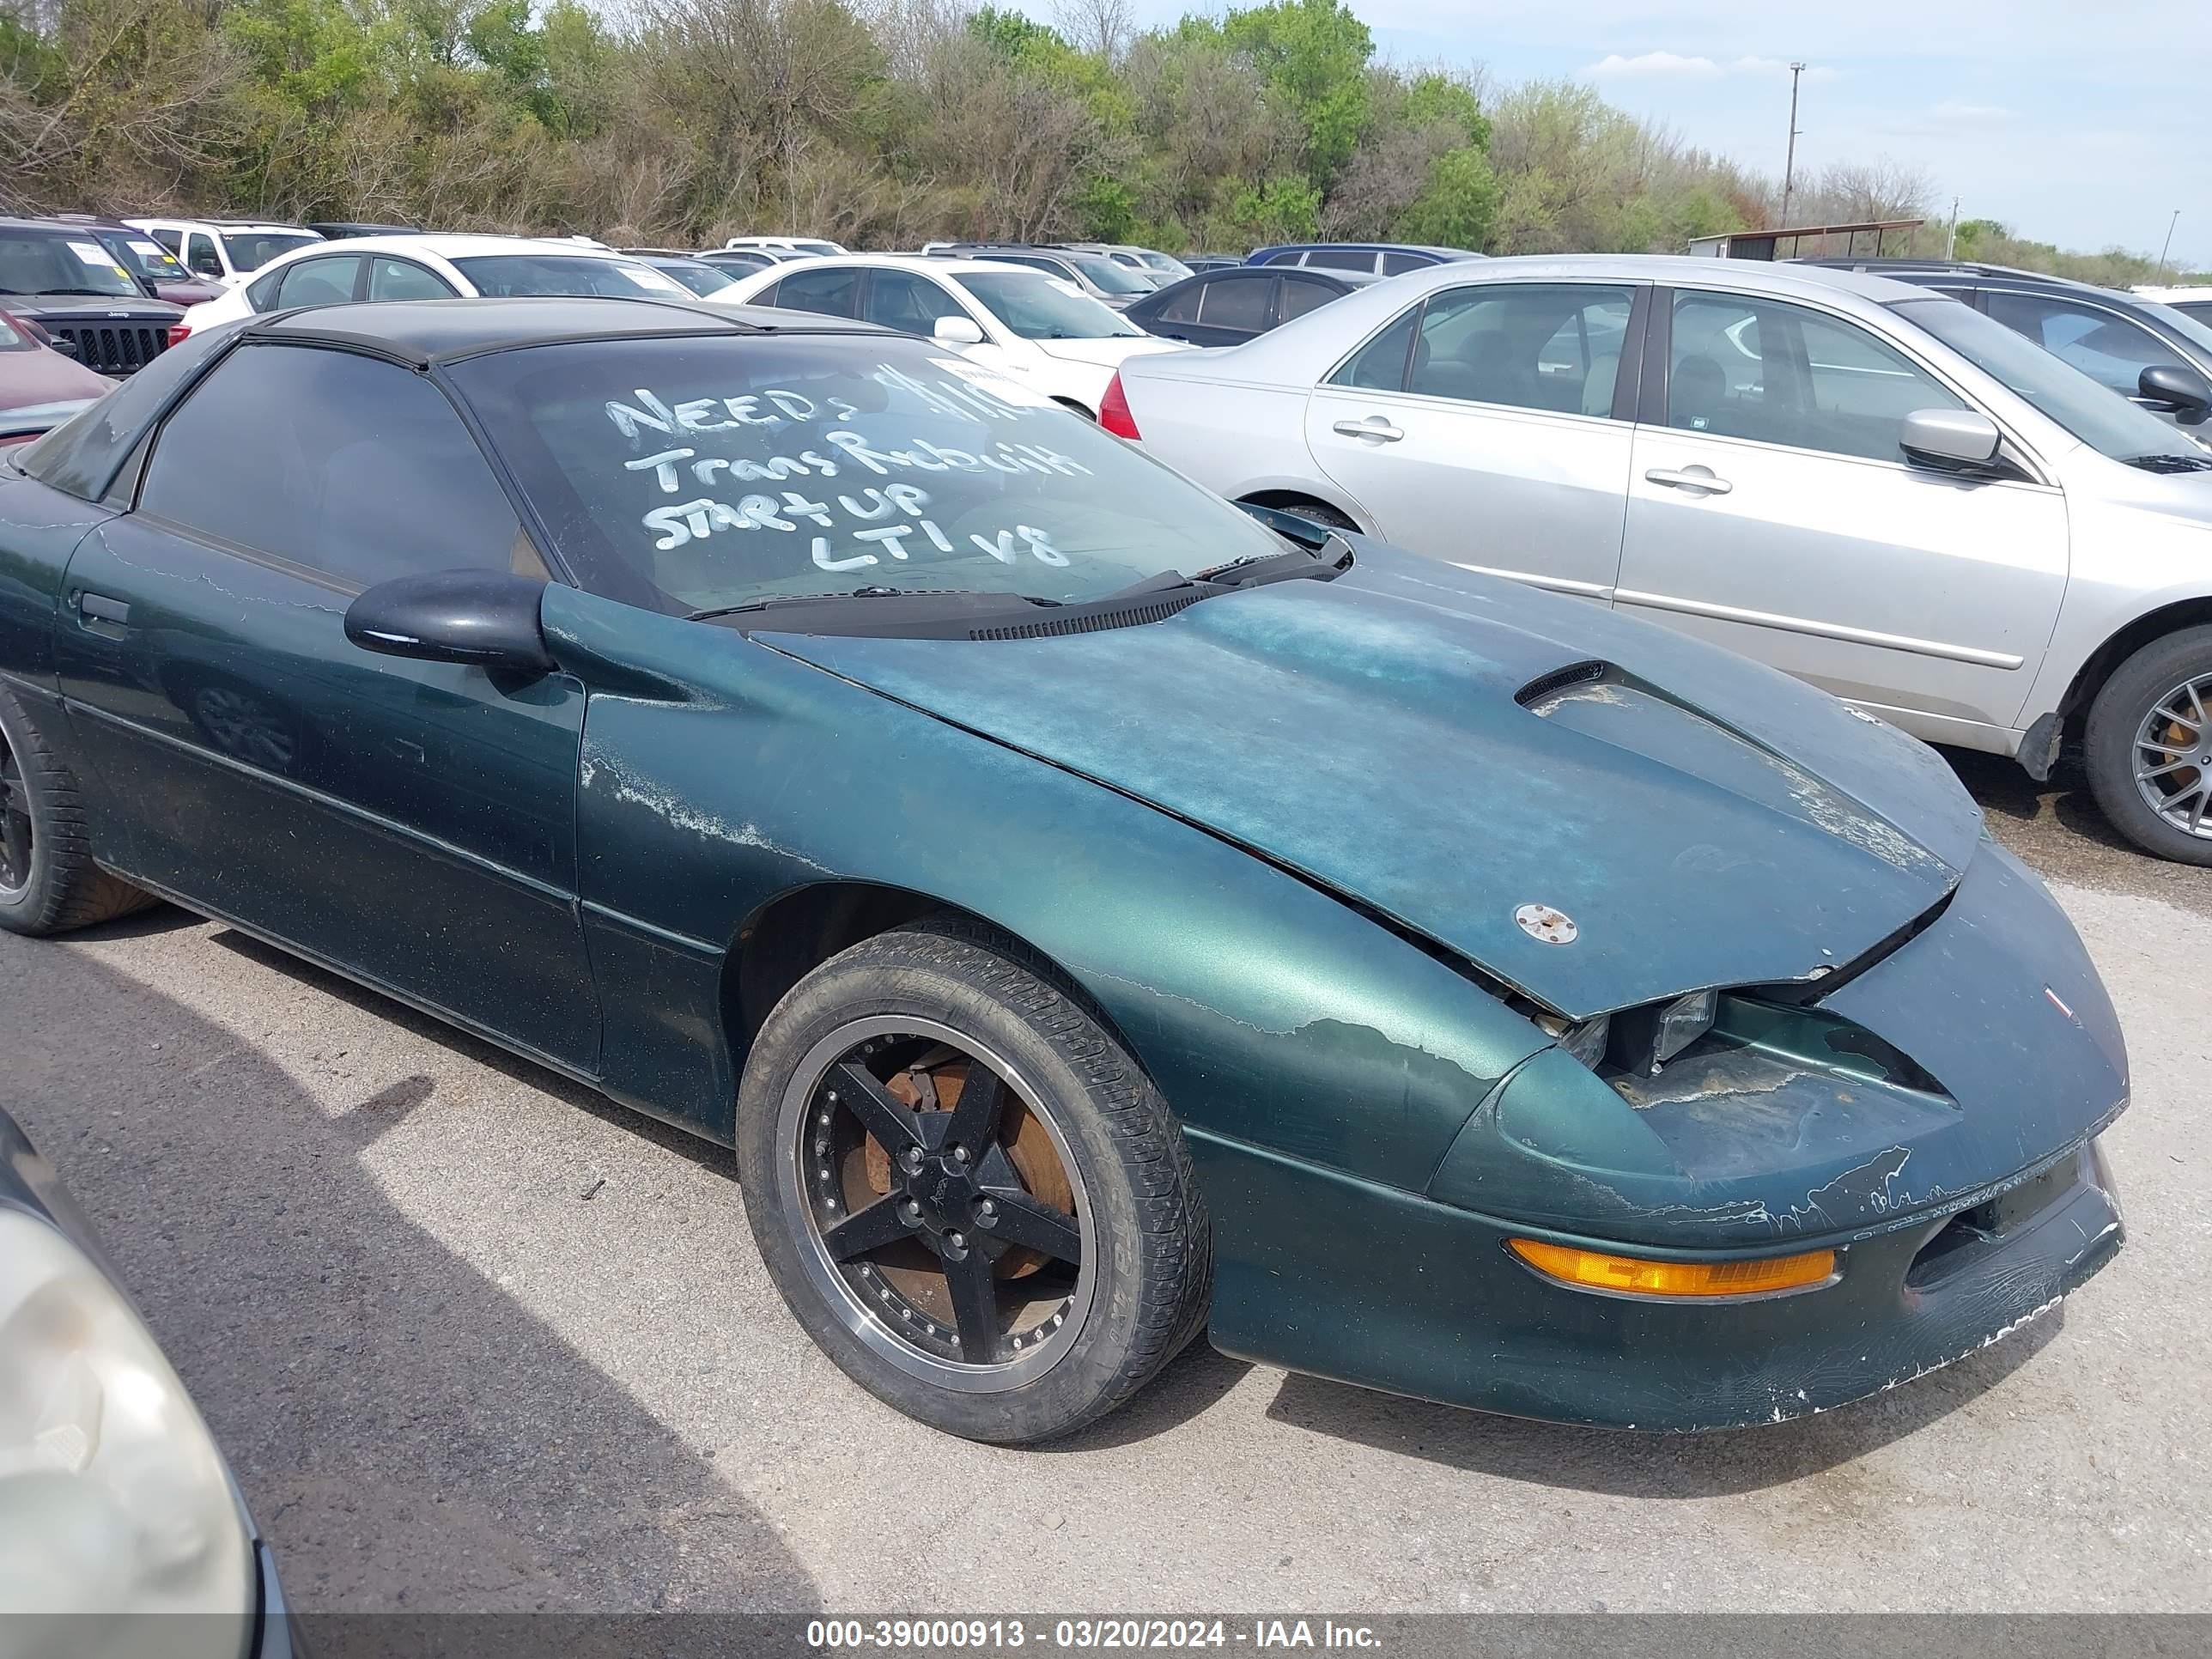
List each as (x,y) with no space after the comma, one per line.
(2102,418)
(1038,308)
(41,263)
(716,472)
(1107,277)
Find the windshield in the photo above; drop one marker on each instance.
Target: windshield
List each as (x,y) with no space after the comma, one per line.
(697,275)
(2187,326)
(821,250)
(2104,420)
(250,249)
(691,474)
(61,264)
(1041,307)
(1107,277)
(1165,264)
(145,256)
(507,276)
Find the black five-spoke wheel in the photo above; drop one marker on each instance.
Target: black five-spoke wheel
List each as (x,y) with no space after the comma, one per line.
(14,822)
(967,1190)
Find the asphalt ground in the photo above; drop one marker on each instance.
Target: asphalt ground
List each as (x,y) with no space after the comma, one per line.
(475,1339)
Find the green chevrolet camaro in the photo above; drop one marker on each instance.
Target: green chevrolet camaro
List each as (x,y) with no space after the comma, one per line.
(1093,913)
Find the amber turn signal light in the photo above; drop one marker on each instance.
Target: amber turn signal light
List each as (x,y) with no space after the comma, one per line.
(1624,1275)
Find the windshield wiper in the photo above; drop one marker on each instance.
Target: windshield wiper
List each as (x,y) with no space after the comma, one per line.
(2164,463)
(1320,564)
(768,600)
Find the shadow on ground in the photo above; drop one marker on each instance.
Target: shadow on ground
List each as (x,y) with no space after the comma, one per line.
(394,1418)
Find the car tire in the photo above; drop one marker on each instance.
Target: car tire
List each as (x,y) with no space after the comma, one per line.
(2151,716)
(1320,512)
(48,881)
(1089,1146)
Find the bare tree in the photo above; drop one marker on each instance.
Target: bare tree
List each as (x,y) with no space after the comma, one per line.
(1103,27)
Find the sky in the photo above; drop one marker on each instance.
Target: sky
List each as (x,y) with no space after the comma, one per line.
(2085,123)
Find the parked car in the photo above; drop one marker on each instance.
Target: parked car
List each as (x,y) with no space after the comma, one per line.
(2110,336)
(1059,346)
(1093,274)
(741,260)
(1198,262)
(1162,268)
(224,251)
(1228,307)
(1873,487)
(1376,258)
(62,279)
(2192,300)
(1092,917)
(40,386)
(121,1528)
(788,247)
(433,267)
(155,266)
(700,277)
(338,229)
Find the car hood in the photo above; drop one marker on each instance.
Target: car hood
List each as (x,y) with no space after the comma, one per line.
(1108,353)
(1389,736)
(91,307)
(178,292)
(45,380)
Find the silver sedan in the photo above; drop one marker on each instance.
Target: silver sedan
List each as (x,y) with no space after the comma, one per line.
(1872,487)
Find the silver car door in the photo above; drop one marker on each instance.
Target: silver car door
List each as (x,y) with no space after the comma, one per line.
(1479,428)
(1771,510)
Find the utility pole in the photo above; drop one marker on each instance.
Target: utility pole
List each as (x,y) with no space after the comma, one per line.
(2168,248)
(1951,238)
(1789,165)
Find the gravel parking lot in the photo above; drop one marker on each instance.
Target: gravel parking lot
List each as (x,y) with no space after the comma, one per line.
(474,1340)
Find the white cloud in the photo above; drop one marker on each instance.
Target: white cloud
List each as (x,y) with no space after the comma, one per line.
(1653,65)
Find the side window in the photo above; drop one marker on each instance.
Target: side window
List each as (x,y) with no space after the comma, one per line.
(1783,375)
(1289,256)
(1524,345)
(1342,258)
(1183,307)
(342,464)
(200,255)
(318,282)
(2110,350)
(1298,296)
(901,300)
(261,292)
(1236,303)
(403,279)
(1397,264)
(832,293)
(171,240)
(1380,365)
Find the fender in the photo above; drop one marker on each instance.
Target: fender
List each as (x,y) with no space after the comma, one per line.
(1268,1012)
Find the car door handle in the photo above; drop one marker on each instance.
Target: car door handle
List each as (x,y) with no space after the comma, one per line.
(1693,477)
(98,607)
(1375,427)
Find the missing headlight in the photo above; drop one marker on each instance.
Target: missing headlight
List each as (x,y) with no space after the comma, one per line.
(1586,1042)
(1645,1039)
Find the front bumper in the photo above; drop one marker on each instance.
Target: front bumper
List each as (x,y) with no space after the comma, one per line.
(1321,1272)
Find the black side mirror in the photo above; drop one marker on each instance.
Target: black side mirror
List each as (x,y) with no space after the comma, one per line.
(483,617)
(2173,390)
(63,344)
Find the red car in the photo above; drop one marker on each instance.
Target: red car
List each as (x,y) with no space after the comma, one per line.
(40,386)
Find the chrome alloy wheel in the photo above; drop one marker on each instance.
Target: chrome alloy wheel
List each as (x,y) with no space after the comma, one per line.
(2174,757)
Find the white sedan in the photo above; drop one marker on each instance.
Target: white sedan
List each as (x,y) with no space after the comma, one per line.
(1042,333)
(1871,486)
(432,268)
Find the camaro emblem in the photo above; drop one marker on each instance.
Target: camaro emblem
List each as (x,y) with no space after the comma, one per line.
(1541,921)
